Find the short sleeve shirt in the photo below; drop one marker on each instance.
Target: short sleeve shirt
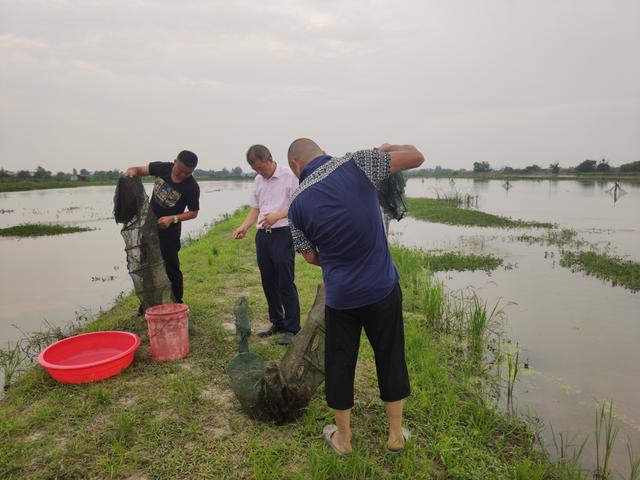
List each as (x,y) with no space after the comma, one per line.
(170,198)
(272,194)
(335,210)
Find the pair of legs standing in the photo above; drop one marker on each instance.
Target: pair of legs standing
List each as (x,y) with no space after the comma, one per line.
(169,248)
(383,325)
(276,261)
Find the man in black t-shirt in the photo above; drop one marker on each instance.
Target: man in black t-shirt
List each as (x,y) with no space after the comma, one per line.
(174,190)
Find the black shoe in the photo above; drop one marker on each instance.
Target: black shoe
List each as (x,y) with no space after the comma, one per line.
(267,333)
(285,339)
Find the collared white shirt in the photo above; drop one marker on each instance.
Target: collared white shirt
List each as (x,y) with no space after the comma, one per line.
(272,194)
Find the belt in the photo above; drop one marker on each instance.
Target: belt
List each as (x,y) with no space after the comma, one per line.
(271,230)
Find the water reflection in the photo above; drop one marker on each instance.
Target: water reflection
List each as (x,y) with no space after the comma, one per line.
(586,184)
(481,184)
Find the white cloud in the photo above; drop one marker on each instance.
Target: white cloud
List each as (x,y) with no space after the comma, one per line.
(465,80)
(9,41)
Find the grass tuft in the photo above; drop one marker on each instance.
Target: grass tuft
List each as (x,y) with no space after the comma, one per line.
(616,270)
(447,211)
(39,230)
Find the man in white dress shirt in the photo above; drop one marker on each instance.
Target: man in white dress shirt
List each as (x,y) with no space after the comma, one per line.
(269,203)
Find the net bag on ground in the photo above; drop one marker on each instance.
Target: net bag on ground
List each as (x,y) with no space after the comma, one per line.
(279,391)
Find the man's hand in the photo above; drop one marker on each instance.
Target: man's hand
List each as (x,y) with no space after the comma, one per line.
(141,171)
(239,232)
(165,222)
(270,219)
(312,257)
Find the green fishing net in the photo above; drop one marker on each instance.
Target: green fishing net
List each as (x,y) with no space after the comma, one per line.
(142,246)
(391,196)
(279,391)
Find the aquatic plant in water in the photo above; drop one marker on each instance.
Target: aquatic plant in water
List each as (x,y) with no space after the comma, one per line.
(39,229)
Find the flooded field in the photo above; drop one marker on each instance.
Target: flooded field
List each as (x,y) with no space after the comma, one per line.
(579,335)
(49,279)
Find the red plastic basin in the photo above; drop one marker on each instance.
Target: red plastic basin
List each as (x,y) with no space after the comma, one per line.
(89,357)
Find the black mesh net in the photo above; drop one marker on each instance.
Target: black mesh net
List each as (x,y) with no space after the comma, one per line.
(391,196)
(142,246)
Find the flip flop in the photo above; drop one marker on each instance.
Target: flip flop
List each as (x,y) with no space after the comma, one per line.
(406,434)
(327,433)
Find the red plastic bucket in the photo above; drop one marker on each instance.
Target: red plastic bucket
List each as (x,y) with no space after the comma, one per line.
(168,331)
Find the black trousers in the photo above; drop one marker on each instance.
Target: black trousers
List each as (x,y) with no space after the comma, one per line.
(383,325)
(169,247)
(276,261)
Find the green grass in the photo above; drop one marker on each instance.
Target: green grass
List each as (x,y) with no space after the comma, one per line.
(447,261)
(558,237)
(447,211)
(39,229)
(616,270)
(177,420)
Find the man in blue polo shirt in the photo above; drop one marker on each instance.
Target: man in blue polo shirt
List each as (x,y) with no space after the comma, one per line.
(336,223)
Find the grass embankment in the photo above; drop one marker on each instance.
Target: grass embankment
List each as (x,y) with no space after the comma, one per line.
(39,230)
(606,267)
(446,211)
(181,420)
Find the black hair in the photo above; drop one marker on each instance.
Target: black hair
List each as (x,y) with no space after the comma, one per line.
(258,152)
(190,159)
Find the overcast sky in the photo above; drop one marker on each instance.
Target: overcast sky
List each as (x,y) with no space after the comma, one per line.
(103,84)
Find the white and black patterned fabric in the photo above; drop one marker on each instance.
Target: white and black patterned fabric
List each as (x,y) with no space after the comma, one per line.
(376,166)
(336,211)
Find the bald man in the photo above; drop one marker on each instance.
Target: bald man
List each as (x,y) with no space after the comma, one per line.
(336,223)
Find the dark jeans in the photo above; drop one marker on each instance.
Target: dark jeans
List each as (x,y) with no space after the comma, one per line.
(276,261)
(383,325)
(169,247)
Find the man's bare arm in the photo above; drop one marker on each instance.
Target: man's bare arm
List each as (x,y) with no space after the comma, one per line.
(252,216)
(272,217)
(166,221)
(403,157)
(141,171)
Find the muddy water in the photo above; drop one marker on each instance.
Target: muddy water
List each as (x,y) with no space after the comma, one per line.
(579,335)
(49,279)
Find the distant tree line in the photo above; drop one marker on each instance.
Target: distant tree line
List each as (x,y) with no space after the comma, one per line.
(42,174)
(234,172)
(587,166)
